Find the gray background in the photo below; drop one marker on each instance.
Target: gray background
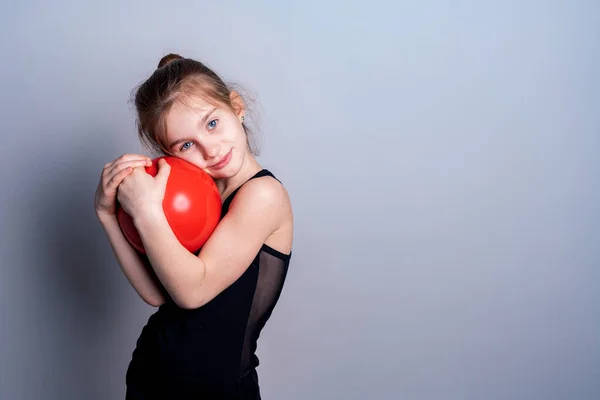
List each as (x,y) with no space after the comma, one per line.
(442,158)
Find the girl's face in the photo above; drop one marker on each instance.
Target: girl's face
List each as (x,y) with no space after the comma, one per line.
(208,136)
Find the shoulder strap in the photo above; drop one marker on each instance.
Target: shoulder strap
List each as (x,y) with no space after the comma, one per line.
(227,202)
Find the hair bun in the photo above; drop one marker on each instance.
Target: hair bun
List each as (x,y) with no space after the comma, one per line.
(168,59)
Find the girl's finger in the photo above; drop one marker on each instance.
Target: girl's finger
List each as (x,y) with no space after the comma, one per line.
(116,179)
(126,164)
(126,158)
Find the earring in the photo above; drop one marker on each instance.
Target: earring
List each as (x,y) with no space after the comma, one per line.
(242,119)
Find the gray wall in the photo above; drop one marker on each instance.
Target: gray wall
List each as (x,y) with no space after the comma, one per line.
(443,162)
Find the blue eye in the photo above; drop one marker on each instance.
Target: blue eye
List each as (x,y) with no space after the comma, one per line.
(212,124)
(185,144)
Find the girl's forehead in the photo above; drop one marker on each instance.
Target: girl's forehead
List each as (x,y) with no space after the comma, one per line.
(185,114)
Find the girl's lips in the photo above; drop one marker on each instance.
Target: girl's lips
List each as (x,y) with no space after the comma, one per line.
(223,162)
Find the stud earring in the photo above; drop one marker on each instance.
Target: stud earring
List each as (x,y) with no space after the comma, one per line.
(242,119)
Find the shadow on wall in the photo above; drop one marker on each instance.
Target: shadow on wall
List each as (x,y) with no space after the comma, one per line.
(81,288)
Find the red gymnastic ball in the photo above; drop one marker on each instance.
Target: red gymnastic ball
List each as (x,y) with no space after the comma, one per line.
(192,205)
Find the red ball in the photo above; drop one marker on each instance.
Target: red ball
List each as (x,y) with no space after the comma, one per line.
(192,205)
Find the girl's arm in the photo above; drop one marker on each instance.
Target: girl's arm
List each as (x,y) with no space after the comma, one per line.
(254,214)
(135,267)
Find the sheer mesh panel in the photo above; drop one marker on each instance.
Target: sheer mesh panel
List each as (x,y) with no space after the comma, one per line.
(271,276)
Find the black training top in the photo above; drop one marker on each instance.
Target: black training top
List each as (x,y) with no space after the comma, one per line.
(209,352)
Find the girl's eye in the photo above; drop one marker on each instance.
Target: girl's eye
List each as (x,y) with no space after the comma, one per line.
(186,146)
(212,124)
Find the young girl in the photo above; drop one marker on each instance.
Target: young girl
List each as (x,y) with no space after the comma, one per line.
(201,342)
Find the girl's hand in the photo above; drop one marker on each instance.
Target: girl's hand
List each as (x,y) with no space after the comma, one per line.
(112,175)
(141,194)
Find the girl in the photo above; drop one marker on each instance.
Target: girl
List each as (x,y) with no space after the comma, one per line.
(212,305)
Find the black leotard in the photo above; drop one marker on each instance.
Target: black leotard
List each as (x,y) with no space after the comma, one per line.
(209,352)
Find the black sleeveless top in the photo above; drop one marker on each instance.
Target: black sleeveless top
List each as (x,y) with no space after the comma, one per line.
(209,352)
